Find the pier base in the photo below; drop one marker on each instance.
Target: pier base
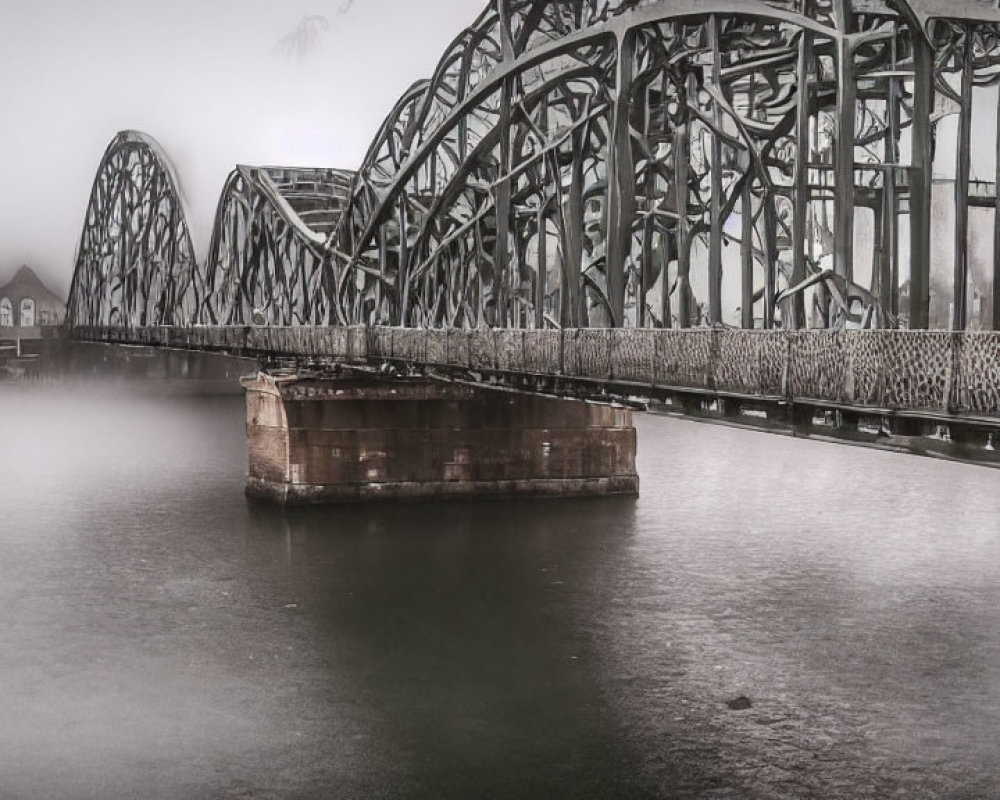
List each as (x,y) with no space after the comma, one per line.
(344,440)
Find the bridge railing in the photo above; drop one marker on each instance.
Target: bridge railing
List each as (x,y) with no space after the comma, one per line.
(896,370)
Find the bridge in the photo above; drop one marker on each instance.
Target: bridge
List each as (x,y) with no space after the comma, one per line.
(763,208)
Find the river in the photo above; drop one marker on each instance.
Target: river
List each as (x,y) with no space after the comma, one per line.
(163,637)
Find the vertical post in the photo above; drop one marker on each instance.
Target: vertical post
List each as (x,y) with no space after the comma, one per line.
(501,260)
(715,240)
(879,257)
(747,232)
(478,258)
(797,305)
(889,272)
(646,254)
(959,317)
(666,312)
(433,177)
(746,248)
(843,237)
(545,196)
(666,248)
(516,313)
(234,314)
(644,268)
(770,217)
(996,229)
(682,136)
(439,311)
(621,185)
(920,182)
(403,269)
(383,251)
(542,269)
(573,296)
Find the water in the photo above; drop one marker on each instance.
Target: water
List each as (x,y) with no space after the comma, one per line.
(162,637)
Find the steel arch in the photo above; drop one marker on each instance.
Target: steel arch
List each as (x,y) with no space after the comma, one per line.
(268,262)
(603,163)
(135,264)
(646,138)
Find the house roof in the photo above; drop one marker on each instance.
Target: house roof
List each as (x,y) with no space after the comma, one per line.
(26,283)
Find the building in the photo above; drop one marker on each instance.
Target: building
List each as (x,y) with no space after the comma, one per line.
(25,302)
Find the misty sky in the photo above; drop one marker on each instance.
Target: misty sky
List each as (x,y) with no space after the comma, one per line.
(208,79)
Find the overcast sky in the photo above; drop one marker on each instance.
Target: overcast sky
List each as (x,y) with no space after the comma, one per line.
(208,79)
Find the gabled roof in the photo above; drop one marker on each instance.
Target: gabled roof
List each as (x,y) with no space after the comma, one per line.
(26,283)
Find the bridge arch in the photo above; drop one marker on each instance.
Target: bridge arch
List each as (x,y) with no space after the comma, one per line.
(663,145)
(268,261)
(135,264)
(603,163)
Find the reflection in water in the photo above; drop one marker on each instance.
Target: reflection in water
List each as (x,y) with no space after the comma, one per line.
(161,636)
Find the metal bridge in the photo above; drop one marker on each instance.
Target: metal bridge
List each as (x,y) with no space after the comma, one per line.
(742,196)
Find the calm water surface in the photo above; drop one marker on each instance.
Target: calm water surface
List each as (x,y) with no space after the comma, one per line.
(162,637)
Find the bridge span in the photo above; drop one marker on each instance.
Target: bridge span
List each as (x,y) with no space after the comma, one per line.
(735,207)
(933,392)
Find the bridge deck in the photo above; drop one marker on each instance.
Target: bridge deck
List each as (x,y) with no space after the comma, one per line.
(931,373)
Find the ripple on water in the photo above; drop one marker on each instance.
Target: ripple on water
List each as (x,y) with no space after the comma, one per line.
(163,637)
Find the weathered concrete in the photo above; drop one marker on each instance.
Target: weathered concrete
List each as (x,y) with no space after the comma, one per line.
(340,440)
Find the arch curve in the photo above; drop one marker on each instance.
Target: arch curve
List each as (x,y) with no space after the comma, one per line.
(605,163)
(268,261)
(135,264)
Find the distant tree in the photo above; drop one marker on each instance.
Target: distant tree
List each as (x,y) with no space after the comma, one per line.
(307,35)
(304,38)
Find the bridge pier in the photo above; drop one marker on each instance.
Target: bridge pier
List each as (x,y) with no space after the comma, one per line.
(328,440)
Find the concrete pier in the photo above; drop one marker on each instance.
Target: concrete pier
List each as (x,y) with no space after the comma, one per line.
(342,440)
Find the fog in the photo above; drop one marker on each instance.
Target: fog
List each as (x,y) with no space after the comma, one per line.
(300,82)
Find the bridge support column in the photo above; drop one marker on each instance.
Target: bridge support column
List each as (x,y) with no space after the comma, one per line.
(341,440)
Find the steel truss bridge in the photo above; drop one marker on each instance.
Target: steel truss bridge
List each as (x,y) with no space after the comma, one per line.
(747,168)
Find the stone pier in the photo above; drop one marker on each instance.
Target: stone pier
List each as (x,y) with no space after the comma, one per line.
(341,440)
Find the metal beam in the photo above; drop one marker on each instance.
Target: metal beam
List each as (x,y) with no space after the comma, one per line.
(921,177)
(801,186)
(843,235)
(621,184)
(959,317)
(715,235)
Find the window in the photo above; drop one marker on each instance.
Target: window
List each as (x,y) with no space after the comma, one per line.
(27,313)
(6,313)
